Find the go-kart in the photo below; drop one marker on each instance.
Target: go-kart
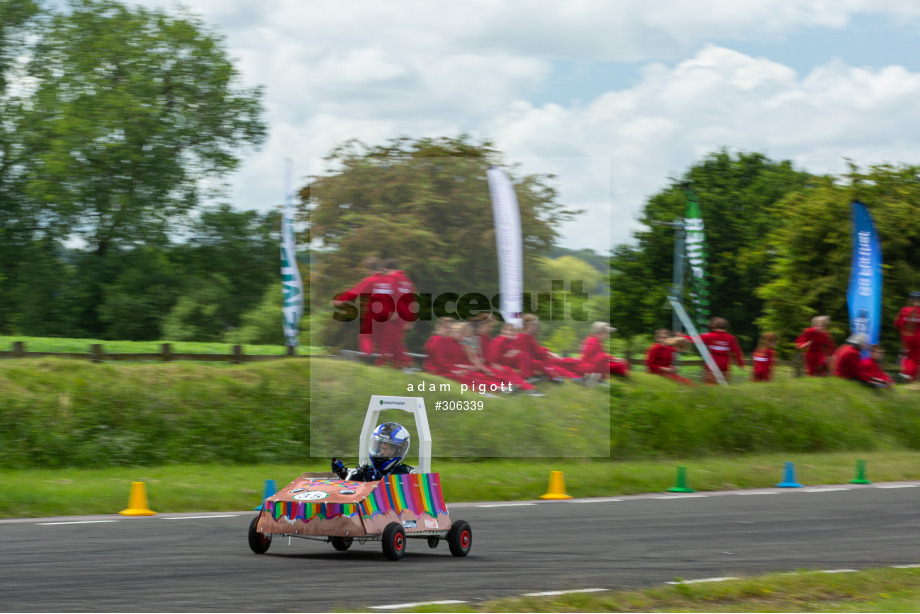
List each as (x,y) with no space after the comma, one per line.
(320,506)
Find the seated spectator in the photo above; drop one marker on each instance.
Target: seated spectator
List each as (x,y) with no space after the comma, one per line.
(763,358)
(847,358)
(503,350)
(499,374)
(721,345)
(659,359)
(434,348)
(595,364)
(537,361)
(871,369)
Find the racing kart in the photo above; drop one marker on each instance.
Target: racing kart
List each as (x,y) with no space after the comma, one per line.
(323,507)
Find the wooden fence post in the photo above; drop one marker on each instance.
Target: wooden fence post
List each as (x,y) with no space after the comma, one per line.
(166,352)
(95,352)
(19,349)
(237,354)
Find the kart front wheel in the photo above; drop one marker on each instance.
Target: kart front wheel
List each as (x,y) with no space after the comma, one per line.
(394,541)
(258,542)
(342,543)
(460,538)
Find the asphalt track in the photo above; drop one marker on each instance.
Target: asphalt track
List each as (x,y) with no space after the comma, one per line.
(178,563)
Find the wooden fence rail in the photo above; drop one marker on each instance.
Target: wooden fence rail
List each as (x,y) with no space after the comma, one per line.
(97,353)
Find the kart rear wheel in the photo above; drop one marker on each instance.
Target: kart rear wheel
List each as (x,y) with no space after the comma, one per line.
(258,542)
(342,543)
(394,541)
(460,538)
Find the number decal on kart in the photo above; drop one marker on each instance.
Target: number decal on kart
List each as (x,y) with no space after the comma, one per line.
(312,495)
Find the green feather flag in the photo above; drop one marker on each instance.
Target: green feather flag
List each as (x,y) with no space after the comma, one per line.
(696,257)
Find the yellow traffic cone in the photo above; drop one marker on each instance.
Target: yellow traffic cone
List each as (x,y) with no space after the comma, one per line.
(556,487)
(137,501)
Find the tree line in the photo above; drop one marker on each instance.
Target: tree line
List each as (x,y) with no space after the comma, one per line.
(778,241)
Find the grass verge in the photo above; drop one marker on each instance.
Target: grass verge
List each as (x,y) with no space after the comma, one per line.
(872,590)
(209,488)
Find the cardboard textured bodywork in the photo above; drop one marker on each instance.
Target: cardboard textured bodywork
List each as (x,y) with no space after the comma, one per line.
(321,504)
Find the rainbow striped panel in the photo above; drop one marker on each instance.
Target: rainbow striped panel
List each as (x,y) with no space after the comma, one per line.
(418,493)
(305,511)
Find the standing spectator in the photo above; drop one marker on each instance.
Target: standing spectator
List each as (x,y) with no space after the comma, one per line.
(817,345)
(659,358)
(908,324)
(871,369)
(763,358)
(596,364)
(405,315)
(374,294)
(721,344)
(846,361)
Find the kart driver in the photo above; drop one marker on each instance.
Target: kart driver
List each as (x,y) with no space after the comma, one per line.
(389,445)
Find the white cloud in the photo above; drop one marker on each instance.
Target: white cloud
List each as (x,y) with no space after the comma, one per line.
(721,98)
(376,70)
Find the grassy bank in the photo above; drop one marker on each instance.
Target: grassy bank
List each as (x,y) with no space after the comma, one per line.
(69,413)
(873,590)
(221,487)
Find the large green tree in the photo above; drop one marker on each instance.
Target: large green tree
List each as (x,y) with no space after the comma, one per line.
(425,202)
(129,119)
(135,110)
(810,263)
(737,193)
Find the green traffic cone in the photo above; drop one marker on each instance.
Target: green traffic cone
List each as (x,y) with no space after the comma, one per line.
(680,482)
(860,473)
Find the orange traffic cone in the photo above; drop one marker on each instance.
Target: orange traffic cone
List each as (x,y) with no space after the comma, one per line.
(556,487)
(137,501)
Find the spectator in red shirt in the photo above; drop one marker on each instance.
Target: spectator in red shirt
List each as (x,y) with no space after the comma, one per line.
(541,360)
(908,324)
(503,350)
(596,364)
(434,348)
(817,345)
(721,345)
(406,313)
(485,373)
(871,369)
(374,294)
(846,362)
(659,358)
(763,358)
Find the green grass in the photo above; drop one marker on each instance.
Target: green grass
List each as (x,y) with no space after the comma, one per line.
(59,414)
(221,487)
(872,590)
(82,346)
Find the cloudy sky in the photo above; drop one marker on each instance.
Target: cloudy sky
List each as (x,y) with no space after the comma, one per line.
(614,96)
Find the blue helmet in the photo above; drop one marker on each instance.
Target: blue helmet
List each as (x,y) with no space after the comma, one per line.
(389,445)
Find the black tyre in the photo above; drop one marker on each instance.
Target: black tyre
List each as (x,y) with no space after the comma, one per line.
(258,542)
(394,541)
(433,542)
(460,538)
(342,543)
